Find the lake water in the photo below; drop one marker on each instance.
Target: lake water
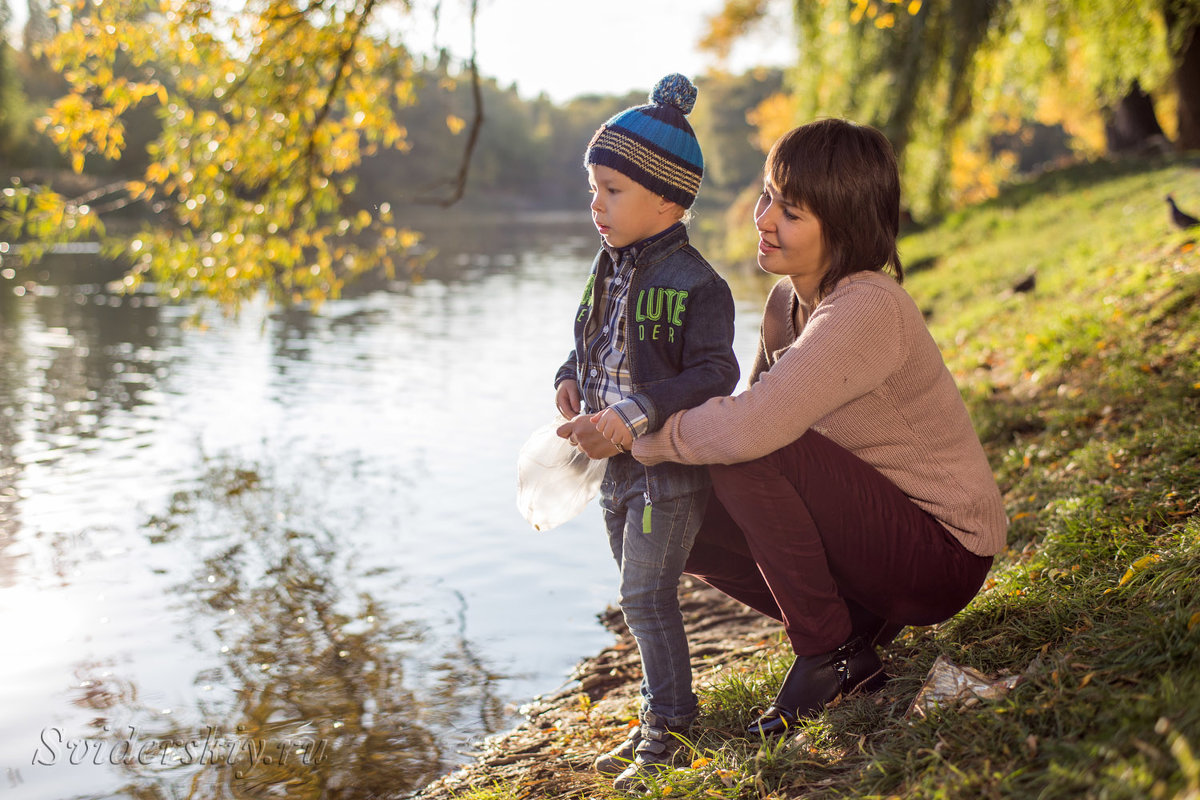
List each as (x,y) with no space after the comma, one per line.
(279,555)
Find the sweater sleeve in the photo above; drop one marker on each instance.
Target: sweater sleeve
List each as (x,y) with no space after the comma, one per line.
(851,344)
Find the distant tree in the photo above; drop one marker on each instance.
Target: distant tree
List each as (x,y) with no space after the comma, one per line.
(1182,19)
(267,111)
(39,27)
(563,133)
(529,154)
(732,153)
(943,79)
(1133,122)
(7,81)
(905,67)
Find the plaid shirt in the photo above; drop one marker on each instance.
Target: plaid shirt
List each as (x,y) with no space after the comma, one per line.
(603,370)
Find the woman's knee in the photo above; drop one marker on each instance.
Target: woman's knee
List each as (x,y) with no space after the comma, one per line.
(808,446)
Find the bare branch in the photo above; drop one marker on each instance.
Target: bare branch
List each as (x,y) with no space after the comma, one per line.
(459,184)
(95,194)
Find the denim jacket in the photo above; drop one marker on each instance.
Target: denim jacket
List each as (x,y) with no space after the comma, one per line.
(679,337)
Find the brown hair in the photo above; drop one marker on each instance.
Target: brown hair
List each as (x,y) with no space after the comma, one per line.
(846,175)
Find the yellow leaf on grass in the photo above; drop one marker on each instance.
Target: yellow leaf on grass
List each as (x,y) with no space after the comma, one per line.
(1137,567)
(701,762)
(1194,621)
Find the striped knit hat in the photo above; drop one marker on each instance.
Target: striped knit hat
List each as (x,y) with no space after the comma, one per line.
(654,144)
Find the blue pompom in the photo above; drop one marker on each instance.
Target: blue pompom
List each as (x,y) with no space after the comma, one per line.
(675,90)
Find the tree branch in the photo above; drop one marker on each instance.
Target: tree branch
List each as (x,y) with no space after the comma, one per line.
(336,83)
(95,194)
(459,184)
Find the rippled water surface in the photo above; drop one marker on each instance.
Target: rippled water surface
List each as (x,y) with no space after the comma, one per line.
(279,555)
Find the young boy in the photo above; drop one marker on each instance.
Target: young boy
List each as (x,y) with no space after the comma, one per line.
(653,335)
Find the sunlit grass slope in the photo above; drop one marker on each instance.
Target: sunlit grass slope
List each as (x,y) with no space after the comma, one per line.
(1086,392)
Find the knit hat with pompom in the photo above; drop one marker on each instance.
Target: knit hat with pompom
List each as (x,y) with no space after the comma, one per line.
(654,144)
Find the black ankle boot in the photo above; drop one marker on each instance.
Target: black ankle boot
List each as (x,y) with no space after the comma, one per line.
(816,682)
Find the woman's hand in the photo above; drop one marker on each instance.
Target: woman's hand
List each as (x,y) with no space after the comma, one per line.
(582,433)
(614,429)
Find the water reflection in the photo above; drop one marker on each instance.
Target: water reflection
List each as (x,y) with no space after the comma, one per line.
(307,696)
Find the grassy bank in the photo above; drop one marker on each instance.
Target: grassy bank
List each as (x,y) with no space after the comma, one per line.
(1086,393)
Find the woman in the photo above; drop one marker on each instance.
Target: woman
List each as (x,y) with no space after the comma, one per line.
(854,495)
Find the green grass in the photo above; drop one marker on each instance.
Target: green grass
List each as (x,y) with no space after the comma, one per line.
(1086,394)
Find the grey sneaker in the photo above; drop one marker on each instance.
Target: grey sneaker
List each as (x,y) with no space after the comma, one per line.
(655,752)
(616,760)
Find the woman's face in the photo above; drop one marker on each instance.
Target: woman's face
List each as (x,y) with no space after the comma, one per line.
(789,238)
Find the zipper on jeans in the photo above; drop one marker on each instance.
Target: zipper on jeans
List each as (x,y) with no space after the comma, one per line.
(646,512)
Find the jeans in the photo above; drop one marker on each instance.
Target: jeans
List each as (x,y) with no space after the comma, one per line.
(815,537)
(650,551)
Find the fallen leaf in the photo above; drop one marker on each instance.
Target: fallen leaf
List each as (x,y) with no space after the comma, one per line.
(1137,567)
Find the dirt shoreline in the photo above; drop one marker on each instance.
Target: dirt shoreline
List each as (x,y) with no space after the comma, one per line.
(549,755)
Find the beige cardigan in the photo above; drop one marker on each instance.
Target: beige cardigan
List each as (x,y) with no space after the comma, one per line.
(864,372)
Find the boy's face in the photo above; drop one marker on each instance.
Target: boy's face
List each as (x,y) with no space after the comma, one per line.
(623,210)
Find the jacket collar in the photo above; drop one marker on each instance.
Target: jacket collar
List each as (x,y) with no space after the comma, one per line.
(653,248)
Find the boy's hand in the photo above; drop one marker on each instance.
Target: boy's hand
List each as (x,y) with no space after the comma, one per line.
(566,399)
(613,428)
(582,433)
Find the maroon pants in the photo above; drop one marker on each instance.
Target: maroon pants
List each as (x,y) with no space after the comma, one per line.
(815,537)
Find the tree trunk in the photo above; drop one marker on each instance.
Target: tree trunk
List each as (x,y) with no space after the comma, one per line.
(1183,39)
(1133,125)
(898,124)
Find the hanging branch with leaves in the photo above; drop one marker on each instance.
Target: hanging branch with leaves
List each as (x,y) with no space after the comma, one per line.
(267,114)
